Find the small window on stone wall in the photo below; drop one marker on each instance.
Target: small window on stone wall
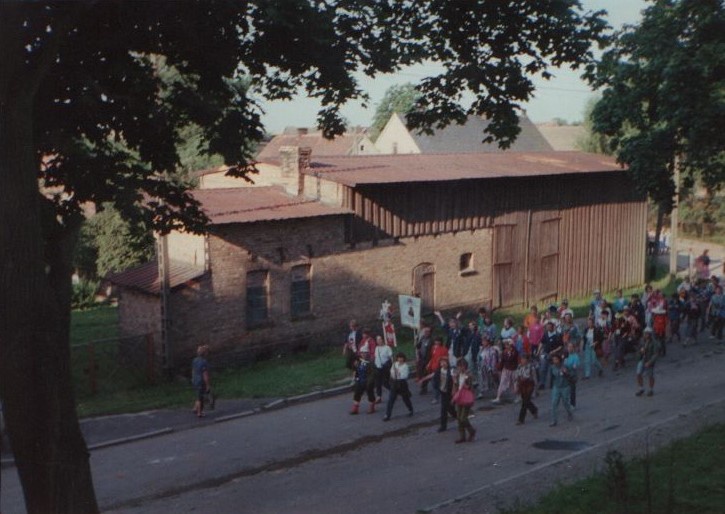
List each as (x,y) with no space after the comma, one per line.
(466,263)
(257,297)
(300,291)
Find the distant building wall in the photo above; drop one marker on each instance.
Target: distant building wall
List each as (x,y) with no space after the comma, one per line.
(187,247)
(395,138)
(269,174)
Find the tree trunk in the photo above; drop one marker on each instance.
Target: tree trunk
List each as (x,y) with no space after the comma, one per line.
(35,378)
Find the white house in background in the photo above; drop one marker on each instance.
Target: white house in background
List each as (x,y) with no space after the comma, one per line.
(355,142)
(395,138)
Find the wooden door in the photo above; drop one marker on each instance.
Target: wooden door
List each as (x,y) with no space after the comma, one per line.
(509,259)
(543,257)
(424,286)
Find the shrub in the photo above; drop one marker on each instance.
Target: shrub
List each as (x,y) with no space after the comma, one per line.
(84,294)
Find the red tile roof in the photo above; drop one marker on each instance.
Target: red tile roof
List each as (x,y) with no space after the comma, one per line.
(146,276)
(340,145)
(389,169)
(249,204)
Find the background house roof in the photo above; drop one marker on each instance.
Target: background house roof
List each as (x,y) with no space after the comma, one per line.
(562,137)
(389,169)
(344,144)
(467,138)
(250,204)
(146,277)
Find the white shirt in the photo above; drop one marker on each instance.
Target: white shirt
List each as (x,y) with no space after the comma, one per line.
(399,371)
(383,353)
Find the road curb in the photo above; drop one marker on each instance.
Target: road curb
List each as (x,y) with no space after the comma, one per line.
(236,415)
(131,438)
(9,463)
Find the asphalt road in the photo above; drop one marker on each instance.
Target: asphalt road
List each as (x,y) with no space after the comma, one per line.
(314,457)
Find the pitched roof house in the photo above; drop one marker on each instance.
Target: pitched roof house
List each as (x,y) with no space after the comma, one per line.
(395,138)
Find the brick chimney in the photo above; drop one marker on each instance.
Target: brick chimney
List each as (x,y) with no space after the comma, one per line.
(293,161)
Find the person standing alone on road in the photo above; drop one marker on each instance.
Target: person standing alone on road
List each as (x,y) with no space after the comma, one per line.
(200,378)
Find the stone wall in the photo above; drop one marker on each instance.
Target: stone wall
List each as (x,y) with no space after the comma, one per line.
(345,283)
(138,313)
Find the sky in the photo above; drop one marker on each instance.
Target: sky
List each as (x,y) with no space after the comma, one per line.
(563,96)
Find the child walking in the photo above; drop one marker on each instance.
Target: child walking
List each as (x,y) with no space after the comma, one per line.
(560,392)
(463,399)
(364,383)
(200,378)
(572,364)
(399,385)
(443,381)
(487,367)
(526,384)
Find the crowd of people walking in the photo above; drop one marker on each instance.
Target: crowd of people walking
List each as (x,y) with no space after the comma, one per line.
(465,361)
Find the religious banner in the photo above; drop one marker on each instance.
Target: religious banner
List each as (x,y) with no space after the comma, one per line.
(409,311)
(386,315)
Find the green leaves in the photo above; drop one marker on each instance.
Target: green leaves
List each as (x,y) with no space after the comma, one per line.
(399,99)
(125,80)
(663,97)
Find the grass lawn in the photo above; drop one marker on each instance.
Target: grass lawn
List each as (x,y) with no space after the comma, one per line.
(685,477)
(93,324)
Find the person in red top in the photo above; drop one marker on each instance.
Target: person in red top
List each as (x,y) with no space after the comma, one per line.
(367,343)
(438,352)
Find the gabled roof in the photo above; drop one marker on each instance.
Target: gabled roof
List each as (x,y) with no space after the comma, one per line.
(562,137)
(146,276)
(340,145)
(391,169)
(266,203)
(467,138)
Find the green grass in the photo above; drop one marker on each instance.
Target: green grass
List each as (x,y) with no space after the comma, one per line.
(93,324)
(686,477)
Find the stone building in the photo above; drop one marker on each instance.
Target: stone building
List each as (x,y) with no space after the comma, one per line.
(287,265)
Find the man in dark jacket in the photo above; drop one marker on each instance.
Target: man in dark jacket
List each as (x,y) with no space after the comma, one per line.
(551,343)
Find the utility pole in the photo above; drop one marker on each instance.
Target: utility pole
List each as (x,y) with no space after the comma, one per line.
(674,219)
(163,263)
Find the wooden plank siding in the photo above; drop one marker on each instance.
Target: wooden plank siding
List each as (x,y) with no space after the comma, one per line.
(601,226)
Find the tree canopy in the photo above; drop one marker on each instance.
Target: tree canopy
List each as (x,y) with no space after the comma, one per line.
(663,96)
(87,110)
